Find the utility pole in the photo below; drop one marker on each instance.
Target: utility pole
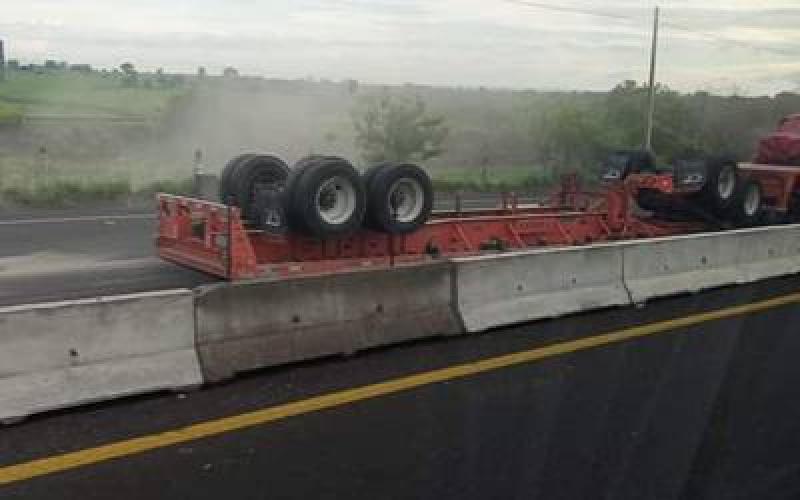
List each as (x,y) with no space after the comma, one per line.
(2,62)
(648,143)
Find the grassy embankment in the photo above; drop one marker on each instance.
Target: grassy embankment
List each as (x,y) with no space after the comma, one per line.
(64,99)
(60,99)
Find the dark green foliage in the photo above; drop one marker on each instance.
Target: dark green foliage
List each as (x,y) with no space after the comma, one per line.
(397,129)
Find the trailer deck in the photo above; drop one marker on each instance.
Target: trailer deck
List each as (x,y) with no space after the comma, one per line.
(214,238)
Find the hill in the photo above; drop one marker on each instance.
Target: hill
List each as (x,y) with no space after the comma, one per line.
(90,127)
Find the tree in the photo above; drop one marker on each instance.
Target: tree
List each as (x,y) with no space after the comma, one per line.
(675,132)
(397,129)
(570,136)
(130,78)
(162,79)
(230,72)
(352,86)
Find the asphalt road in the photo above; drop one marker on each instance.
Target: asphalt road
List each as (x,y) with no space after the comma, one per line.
(59,255)
(707,410)
(49,257)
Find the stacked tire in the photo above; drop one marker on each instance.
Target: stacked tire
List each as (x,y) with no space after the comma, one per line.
(399,197)
(325,197)
(250,179)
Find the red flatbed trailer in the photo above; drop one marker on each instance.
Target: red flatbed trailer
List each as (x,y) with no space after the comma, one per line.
(778,183)
(213,238)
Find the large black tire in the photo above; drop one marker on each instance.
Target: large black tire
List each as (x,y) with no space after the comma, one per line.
(254,174)
(747,209)
(653,201)
(370,173)
(225,189)
(325,197)
(722,184)
(399,198)
(620,164)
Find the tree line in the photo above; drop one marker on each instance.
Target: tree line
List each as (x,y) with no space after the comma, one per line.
(561,130)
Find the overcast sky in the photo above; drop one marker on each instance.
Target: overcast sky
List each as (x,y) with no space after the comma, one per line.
(444,42)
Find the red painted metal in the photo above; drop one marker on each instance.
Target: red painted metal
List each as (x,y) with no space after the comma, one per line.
(778,183)
(212,237)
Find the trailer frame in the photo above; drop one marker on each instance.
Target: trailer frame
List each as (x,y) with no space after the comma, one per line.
(213,238)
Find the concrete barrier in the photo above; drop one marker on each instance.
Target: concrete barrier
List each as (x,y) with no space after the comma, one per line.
(257,324)
(500,290)
(681,264)
(63,354)
(669,266)
(768,252)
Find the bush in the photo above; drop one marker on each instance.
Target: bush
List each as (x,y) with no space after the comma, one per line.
(397,129)
(65,193)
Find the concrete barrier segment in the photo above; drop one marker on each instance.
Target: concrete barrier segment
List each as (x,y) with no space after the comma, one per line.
(692,263)
(63,354)
(505,289)
(257,324)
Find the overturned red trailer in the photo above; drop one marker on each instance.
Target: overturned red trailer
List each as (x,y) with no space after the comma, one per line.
(216,239)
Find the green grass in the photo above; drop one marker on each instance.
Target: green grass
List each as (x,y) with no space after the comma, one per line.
(63,92)
(67,193)
(10,113)
(36,181)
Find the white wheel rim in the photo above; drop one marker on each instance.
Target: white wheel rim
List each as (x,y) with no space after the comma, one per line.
(726,183)
(752,200)
(336,200)
(406,200)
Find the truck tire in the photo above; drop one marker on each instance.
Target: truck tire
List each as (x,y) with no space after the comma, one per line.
(225,190)
(748,207)
(620,164)
(651,200)
(325,198)
(722,184)
(399,198)
(370,172)
(254,174)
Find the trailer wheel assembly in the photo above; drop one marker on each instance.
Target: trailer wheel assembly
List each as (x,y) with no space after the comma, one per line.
(748,205)
(399,198)
(251,176)
(227,172)
(620,164)
(325,197)
(722,183)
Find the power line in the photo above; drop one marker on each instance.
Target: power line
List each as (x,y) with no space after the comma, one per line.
(731,41)
(572,10)
(638,20)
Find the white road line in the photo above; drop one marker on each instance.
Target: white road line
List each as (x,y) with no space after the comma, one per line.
(88,218)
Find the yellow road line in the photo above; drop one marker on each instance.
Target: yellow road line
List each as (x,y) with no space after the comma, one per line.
(89,456)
